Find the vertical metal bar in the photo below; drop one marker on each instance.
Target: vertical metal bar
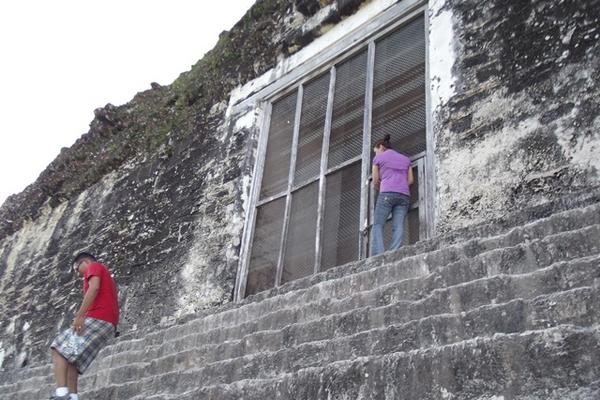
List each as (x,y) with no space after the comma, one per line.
(422,209)
(371,218)
(288,200)
(324,161)
(249,225)
(366,155)
(429,183)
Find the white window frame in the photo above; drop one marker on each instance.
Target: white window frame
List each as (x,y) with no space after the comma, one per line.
(345,48)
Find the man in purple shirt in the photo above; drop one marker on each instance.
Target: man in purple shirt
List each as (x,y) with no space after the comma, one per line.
(392,176)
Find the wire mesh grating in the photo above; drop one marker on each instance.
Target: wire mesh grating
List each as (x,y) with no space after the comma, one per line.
(341,218)
(299,260)
(348,110)
(279,146)
(265,246)
(399,88)
(312,123)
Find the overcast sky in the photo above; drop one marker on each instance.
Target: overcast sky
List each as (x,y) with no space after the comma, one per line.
(62,59)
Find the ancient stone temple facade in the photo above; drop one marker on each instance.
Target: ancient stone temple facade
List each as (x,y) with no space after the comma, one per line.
(234,209)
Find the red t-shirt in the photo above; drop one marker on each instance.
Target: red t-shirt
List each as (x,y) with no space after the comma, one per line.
(106,303)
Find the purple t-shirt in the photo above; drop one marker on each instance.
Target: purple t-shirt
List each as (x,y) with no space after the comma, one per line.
(393,171)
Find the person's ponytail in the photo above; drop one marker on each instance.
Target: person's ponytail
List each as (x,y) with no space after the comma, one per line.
(385,142)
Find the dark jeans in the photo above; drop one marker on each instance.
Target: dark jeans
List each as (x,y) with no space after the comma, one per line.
(397,204)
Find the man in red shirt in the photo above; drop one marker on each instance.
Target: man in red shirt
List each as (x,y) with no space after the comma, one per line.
(94,324)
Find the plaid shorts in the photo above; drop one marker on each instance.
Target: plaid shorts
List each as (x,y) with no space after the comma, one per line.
(80,350)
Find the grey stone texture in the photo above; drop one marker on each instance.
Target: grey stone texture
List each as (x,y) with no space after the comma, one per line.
(501,304)
(521,125)
(511,315)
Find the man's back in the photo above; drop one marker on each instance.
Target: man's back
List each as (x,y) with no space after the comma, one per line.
(106,304)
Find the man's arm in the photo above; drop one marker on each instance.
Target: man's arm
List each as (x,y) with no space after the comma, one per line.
(376,178)
(88,300)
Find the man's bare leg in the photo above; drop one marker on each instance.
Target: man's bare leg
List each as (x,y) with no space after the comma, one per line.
(60,373)
(60,368)
(72,376)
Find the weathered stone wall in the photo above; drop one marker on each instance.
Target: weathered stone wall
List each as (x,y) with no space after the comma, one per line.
(168,228)
(515,103)
(156,188)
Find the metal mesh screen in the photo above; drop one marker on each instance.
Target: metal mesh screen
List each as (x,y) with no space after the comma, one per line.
(312,122)
(341,219)
(279,146)
(265,246)
(399,88)
(300,245)
(348,110)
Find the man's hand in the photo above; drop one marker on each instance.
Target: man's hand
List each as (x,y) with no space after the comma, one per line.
(78,324)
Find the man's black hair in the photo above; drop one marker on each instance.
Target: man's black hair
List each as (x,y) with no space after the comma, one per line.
(83,255)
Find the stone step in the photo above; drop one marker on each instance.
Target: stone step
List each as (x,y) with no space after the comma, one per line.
(507,364)
(382,296)
(432,331)
(10,390)
(359,324)
(424,255)
(507,261)
(591,392)
(248,341)
(391,271)
(572,306)
(383,269)
(560,276)
(414,259)
(25,374)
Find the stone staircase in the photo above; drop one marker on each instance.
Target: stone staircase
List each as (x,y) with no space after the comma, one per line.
(511,314)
